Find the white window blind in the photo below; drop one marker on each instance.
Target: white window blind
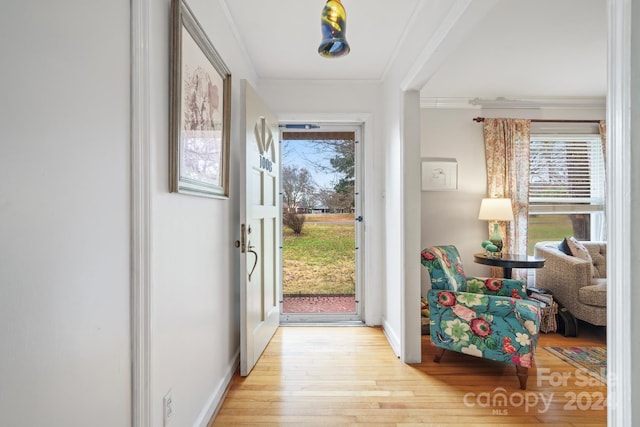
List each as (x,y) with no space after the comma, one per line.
(566,174)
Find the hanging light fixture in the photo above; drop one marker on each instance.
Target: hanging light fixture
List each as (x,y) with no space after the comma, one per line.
(334,26)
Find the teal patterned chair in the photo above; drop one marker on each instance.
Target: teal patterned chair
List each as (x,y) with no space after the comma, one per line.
(489,318)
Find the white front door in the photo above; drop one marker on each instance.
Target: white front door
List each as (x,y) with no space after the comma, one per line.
(260,241)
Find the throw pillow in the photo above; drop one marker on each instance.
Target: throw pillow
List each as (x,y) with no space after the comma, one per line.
(578,250)
(564,247)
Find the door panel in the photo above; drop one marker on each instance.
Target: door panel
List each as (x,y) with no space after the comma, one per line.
(260,215)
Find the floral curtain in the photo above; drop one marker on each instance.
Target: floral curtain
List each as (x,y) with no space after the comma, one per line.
(507,155)
(603,137)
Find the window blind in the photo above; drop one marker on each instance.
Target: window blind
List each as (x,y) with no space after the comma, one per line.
(566,173)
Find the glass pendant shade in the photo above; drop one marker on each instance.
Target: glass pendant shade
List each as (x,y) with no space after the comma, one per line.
(334,26)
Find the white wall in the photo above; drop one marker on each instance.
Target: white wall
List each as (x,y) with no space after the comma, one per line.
(195,267)
(64,214)
(412,349)
(392,153)
(451,217)
(432,33)
(400,151)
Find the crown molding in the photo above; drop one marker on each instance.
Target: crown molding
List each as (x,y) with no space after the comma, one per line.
(583,103)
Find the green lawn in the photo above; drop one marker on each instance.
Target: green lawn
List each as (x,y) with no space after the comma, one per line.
(321,260)
(547,227)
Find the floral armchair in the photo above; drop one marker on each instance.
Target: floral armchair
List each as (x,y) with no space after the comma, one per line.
(489,318)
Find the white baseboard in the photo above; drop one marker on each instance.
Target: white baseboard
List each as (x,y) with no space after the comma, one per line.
(216,398)
(393,339)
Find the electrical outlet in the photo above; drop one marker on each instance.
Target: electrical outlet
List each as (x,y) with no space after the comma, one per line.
(168,408)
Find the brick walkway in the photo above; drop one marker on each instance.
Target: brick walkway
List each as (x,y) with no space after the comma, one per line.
(319,304)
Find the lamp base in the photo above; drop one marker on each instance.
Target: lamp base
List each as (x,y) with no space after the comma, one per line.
(496,239)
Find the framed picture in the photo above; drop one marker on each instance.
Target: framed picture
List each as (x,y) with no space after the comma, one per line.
(439,174)
(200,110)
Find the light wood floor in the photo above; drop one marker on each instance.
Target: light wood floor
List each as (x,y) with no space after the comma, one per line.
(349,376)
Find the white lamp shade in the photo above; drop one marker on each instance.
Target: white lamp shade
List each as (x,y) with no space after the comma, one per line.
(496,210)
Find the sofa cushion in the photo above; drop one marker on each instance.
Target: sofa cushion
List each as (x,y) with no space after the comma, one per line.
(598,252)
(564,247)
(594,294)
(578,250)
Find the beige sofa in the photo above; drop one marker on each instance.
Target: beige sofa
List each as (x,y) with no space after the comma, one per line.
(577,284)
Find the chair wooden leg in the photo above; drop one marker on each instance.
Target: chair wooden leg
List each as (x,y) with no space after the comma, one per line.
(523,374)
(439,353)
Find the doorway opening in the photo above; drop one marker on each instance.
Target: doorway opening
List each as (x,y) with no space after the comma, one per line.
(321,223)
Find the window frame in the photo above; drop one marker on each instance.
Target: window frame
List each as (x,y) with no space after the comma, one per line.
(595,204)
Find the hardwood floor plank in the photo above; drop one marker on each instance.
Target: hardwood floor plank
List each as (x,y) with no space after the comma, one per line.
(349,376)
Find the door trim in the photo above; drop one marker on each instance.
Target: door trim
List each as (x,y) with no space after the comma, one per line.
(140,186)
(619,257)
(373,196)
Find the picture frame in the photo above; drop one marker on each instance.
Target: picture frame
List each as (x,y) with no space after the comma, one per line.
(199,109)
(439,174)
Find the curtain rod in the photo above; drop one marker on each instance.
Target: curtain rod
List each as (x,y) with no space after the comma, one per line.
(481,119)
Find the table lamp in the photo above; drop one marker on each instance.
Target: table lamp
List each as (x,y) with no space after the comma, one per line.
(496,210)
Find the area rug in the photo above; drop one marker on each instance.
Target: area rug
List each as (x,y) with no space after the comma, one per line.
(590,360)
